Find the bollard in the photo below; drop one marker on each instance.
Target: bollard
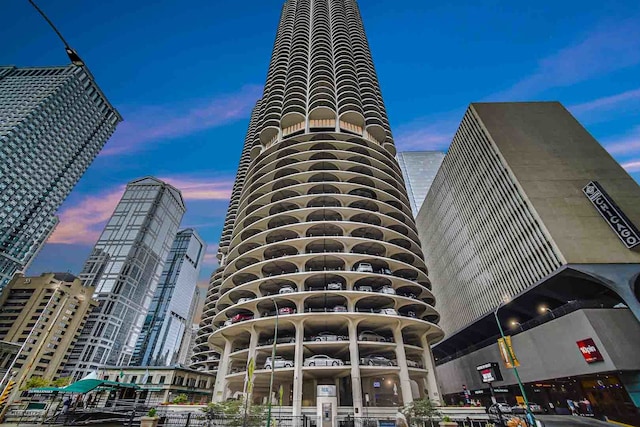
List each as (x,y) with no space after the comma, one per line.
(188,419)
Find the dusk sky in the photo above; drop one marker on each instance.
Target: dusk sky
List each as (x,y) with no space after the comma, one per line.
(185,75)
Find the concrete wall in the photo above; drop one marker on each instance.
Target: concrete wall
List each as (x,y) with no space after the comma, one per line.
(554,158)
(550,350)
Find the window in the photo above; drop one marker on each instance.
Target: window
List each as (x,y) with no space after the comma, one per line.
(162,379)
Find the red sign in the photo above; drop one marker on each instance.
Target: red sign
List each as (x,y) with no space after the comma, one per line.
(589,351)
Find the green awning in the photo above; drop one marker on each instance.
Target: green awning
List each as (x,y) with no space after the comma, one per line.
(85,386)
(43,390)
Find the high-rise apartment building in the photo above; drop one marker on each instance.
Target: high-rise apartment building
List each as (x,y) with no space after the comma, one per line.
(47,311)
(320,237)
(169,317)
(125,267)
(529,208)
(53,122)
(419,168)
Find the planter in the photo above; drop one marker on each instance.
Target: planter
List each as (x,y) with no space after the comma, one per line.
(442,424)
(149,421)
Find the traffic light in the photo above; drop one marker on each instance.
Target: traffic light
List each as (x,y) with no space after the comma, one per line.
(7,392)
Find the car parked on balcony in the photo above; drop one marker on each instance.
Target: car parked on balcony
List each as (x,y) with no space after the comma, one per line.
(387,290)
(227,322)
(285,339)
(340,309)
(287,310)
(364,288)
(364,267)
(334,286)
(371,336)
(241,317)
(329,336)
(287,290)
(386,271)
(389,311)
(322,360)
(413,364)
(245,299)
(376,361)
(278,362)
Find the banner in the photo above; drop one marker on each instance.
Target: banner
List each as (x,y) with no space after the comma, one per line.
(250,368)
(506,349)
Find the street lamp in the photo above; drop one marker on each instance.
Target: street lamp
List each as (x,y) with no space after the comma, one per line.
(543,309)
(510,356)
(273,363)
(71,53)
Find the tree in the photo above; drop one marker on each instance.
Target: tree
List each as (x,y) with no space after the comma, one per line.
(232,411)
(35,382)
(180,399)
(61,382)
(420,409)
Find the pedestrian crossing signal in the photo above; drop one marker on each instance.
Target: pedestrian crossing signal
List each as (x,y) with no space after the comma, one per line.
(6,392)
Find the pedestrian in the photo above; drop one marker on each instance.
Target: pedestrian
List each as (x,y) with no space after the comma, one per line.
(65,404)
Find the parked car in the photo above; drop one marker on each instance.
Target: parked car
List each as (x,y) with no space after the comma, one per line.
(322,360)
(371,336)
(364,288)
(376,361)
(278,362)
(286,339)
(287,290)
(340,309)
(413,364)
(503,408)
(241,317)
(533,407)
(287,310)
(387,290)
(364,267)
(228,322)
(410,313)
(246,299)
(328,336)
(389,311)
(504,413)
(334,286)
(385,271)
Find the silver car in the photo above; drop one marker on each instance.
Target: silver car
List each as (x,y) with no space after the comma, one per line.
(387,290)
(376,361)
(371,336)
(279,362)
(322,360)
(287,290)
(364,288)
(328,336)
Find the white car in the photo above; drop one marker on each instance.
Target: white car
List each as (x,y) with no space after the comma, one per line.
(412,364)
(228,322)
(287,290)
(340,309)
(390,311)
(387,290)
(371,336)
(364,267)
(334,286)
(364,288)
(279,362)
(328,336)
(246,299)
(322,360)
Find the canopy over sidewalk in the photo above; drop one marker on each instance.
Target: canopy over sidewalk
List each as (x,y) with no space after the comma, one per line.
(82,386)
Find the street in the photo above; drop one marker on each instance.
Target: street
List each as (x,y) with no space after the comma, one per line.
(567,420)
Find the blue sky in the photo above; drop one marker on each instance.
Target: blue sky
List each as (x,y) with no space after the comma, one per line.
(185,75)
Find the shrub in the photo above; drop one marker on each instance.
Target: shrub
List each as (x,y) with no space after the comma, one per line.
(180,399)
(152,412)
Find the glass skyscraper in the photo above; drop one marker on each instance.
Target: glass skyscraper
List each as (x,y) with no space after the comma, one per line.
(125,267)
(419,168)
(169,321)
(53,122)
(320,238)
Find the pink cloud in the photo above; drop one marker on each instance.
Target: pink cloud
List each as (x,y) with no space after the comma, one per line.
(632,166)
(156,123)
(625,145)
(83,223)
(210,257)
(606,102)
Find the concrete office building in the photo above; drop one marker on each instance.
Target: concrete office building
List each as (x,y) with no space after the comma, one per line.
(321,237)
(419,168)
(125,267)
(169,317)
(53,122)
(55,307)
(528,206)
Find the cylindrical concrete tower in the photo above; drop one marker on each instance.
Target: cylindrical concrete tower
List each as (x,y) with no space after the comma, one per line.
(319,237)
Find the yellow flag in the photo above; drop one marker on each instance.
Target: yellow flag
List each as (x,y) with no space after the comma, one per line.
(250,368)
(280,393)
(506,349)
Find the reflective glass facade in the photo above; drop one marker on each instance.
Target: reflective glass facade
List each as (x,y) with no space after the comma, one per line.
(169,317)
(419,168)
(125,267)
(53,123)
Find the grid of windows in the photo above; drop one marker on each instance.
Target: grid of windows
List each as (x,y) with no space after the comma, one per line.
(481,238)
(53,123)
(125,267)
(419,168)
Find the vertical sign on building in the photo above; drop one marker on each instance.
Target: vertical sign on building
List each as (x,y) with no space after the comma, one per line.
(590,351)
(612,214)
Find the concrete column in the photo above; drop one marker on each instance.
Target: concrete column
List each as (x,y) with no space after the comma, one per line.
(356,386)
(430,366)
(220,388)
(405,381)
(298,360)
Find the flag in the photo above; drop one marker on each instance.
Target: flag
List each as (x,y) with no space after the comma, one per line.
(145,377)
(507,353)
(280,393)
